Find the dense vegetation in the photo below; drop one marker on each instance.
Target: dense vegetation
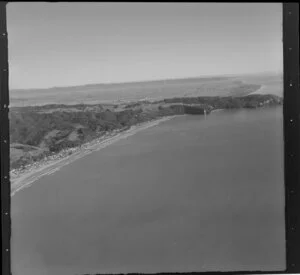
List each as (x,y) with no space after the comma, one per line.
(228,102)
(55,127)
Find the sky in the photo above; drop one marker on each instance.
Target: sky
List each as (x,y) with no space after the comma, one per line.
(68,44)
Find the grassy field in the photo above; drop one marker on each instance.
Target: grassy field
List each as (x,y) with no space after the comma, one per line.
(105,93)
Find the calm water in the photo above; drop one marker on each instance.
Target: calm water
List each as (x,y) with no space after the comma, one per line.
(191,194)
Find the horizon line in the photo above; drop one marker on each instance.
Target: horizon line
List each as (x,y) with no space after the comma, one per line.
(149,80)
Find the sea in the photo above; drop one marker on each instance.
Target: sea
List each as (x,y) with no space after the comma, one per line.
(194,193)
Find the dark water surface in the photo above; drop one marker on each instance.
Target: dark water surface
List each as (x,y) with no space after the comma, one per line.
(191,194)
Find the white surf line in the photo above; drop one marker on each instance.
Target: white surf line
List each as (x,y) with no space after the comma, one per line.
(93,146)
(28,184)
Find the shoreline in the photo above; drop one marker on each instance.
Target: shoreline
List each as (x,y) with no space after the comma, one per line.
(48,167)
(26,175)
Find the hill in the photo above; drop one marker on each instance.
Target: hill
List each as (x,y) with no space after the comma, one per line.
(37,132)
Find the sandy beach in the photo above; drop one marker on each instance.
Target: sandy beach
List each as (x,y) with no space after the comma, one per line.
(50,166)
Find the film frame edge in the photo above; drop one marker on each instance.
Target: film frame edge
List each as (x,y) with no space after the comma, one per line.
(291,137)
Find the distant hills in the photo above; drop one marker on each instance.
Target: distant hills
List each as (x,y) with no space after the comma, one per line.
(150,90)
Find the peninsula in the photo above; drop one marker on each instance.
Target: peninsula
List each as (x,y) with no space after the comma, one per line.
(43,134)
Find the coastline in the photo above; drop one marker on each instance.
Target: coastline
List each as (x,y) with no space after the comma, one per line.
(29,173)
(47,167)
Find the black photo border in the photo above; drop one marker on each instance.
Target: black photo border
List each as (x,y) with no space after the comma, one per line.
(291,111)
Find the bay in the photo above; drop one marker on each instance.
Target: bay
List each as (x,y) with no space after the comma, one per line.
(191,194)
